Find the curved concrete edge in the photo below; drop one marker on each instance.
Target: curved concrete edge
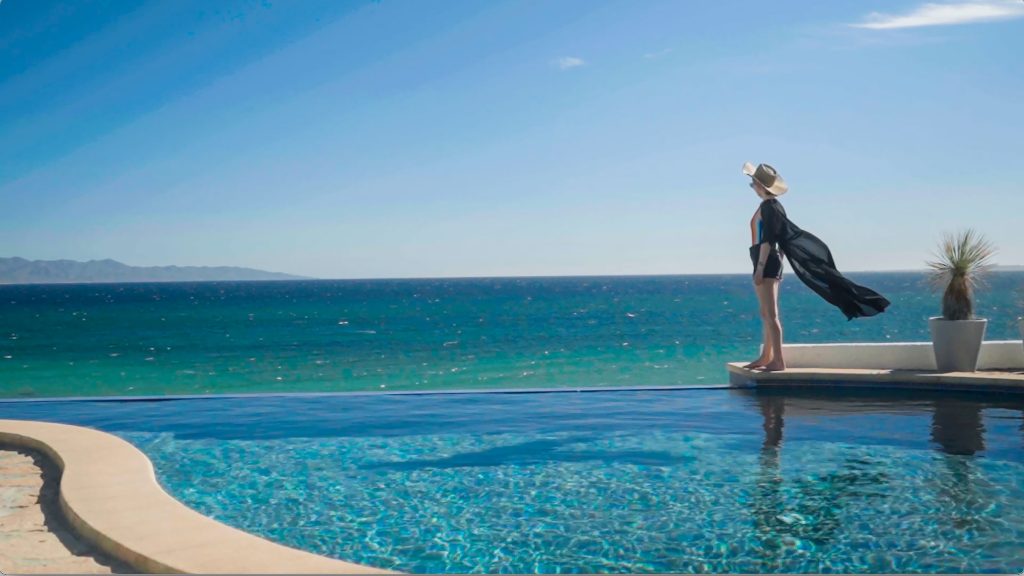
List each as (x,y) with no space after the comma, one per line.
(110,496)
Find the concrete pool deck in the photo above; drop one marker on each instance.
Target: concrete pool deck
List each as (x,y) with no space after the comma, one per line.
(34,538)
(109,495)
(904,365)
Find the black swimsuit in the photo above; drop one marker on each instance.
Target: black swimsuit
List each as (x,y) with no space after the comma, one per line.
(773,264)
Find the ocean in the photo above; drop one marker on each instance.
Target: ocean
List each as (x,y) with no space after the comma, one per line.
(430,334)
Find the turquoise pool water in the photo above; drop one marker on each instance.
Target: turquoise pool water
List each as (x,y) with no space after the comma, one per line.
(691,480)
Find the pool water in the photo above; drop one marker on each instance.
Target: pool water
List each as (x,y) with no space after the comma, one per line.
(697,480)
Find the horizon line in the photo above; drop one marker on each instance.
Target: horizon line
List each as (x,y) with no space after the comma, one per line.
(510,277)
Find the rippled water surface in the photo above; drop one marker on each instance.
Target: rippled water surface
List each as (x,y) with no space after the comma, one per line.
(627,481)
(132,339)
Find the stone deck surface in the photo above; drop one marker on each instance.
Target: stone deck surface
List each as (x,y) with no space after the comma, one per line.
(1009,380)
(34,539)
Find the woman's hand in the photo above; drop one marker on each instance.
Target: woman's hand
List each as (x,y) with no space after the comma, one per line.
(758,276)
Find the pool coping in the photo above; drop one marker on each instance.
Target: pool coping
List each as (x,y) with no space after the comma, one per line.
(998,381)
(110,496)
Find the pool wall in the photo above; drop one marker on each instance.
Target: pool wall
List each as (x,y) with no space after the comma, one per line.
(995,355)
(110,496)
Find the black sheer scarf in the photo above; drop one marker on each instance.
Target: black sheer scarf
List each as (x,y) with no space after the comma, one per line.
(812,262)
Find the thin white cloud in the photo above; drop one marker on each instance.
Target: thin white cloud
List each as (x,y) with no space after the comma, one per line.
(658,54)
(946,15)
(567,62)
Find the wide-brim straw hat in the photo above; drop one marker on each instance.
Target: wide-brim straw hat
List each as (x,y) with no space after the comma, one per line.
(766,176)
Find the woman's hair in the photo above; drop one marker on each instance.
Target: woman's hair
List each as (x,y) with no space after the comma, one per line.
(760,190)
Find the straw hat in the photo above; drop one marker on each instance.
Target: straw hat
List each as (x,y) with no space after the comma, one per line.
(766,176)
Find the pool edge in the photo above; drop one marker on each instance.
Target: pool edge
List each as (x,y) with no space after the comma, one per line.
(357,393)
(110,497)
(885,378)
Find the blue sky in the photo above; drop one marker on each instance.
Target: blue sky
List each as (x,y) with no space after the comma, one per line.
(444,138)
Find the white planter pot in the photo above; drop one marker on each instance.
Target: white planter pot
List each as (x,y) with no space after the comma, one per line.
(956,343)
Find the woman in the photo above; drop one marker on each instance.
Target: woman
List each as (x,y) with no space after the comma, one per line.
(774,235)
(767,260)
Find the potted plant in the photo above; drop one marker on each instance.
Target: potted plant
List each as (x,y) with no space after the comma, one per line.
(956,335)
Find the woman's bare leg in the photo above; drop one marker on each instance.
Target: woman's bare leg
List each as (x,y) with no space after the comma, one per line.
(774,325)
(763,296)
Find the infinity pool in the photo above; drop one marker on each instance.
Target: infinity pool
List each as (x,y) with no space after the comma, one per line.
(626,481)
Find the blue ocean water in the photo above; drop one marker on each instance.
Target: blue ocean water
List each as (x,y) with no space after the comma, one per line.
(690,480)
(198,338)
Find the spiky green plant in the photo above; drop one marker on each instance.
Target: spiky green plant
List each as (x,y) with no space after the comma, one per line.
(963,258)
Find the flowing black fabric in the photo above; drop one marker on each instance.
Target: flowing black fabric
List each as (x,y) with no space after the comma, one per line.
(812,262)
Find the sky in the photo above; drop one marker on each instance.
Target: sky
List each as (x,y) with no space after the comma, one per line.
(448,138)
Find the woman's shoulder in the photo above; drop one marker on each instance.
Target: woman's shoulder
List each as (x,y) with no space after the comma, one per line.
(771,206)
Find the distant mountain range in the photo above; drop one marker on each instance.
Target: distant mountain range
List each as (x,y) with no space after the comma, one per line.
(22,271)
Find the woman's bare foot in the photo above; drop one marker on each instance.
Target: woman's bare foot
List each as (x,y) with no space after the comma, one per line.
(774,366)
(759,363)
